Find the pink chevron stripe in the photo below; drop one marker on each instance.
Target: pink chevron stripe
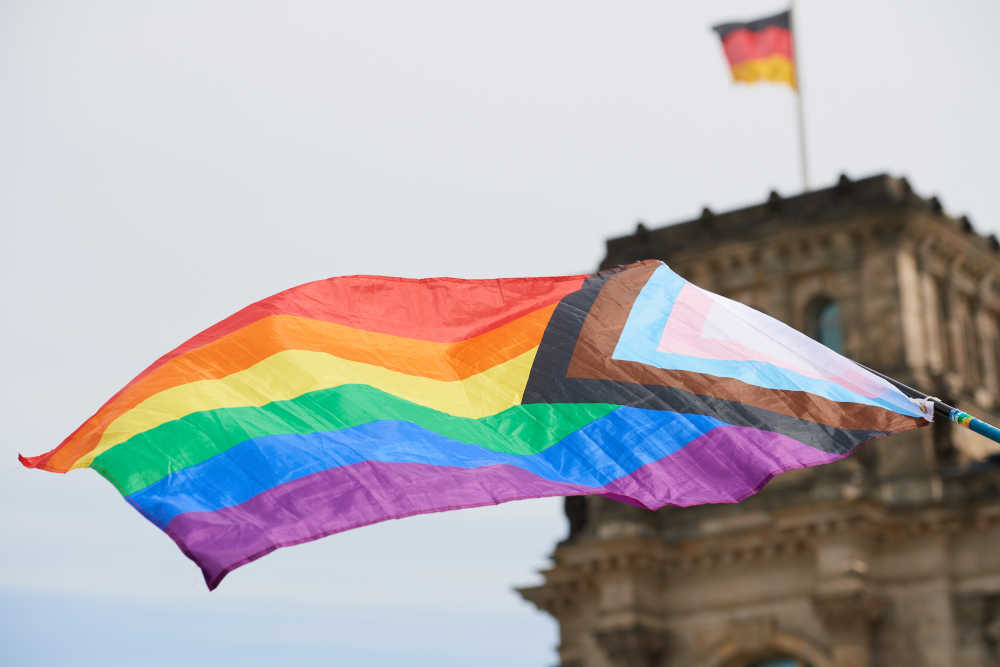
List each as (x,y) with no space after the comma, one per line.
(700,325)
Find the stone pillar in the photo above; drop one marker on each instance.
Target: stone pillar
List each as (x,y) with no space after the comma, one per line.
(629,627)
(982,320)
(930,309)
(846,602)
(915,347)
(988,337)
(850,616)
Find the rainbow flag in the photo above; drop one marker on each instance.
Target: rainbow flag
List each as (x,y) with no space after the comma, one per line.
(353,400)
(761,50)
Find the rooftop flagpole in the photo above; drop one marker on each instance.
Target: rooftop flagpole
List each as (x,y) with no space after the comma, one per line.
(764,50)
(800,106)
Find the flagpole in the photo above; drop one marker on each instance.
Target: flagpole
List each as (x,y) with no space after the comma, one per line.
(800,107)
(943,409)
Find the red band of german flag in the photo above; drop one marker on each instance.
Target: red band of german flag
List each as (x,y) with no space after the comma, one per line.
(760,50)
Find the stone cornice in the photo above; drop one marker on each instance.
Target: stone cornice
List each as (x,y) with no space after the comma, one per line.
(792,533)
(556,597)
(948,250)
(799,214)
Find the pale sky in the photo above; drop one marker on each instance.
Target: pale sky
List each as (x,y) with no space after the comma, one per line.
(168,163)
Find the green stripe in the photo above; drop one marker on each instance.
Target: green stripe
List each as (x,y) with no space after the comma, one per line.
(152,455)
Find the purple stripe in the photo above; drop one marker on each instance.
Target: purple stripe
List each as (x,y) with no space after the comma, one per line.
(725,465)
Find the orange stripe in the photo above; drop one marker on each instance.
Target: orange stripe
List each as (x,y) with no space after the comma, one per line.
(263,338)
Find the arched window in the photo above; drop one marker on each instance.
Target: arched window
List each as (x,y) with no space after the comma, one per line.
(825,323)
(779,661)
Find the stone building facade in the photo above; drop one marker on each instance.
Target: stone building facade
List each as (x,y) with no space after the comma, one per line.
(889,557)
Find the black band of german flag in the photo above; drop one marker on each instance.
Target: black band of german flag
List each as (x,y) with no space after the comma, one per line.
(782,20)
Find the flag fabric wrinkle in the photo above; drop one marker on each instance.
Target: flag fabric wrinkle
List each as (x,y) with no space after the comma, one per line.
(354,400)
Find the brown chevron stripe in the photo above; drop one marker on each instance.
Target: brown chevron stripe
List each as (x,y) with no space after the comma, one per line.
(603,327)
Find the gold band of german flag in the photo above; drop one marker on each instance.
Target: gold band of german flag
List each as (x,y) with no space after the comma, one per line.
(760,50)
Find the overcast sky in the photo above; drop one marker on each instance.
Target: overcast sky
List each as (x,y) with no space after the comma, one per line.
(166,163)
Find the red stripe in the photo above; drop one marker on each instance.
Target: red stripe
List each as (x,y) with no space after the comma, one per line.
(742,45)
(432,309)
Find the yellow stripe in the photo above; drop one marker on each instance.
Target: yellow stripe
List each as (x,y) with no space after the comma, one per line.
(773,68)
(292,373)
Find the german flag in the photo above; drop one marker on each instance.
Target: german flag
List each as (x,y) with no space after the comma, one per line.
(760,50)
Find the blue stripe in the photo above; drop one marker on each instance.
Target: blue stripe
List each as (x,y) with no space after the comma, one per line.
(603,451)
(645,324)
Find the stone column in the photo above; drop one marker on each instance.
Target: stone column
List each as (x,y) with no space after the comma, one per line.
(915,348)
(850,616)
(629,625)
(930,309)
(846,602)
(986,332)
